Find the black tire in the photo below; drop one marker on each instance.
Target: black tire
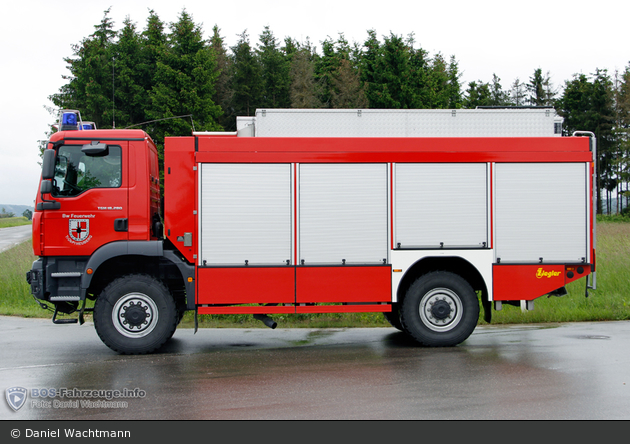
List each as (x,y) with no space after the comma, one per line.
(393,317)
(135,314)
(440,309)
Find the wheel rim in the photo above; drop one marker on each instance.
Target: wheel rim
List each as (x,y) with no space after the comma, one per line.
(441,309)
(135,315)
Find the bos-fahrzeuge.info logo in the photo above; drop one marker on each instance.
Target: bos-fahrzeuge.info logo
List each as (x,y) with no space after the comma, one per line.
(64,398)
(16,397)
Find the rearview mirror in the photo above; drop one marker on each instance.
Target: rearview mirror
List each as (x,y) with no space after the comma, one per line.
(94,148)
(48,165)
(45,187)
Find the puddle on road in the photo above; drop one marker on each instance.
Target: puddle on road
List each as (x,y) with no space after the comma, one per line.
(593,337)
(314,335)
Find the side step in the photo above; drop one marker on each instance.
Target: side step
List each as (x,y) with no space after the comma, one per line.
(80,320)
(62,321)
(68,289)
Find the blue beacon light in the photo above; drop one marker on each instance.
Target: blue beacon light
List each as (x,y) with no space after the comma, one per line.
(69,122)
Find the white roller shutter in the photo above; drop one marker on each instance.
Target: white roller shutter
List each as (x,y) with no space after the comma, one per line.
(441,205)
(246,214)
(541,212)
(343,213)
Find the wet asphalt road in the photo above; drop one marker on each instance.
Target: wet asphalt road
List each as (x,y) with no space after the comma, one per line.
(11,236)
(564,371)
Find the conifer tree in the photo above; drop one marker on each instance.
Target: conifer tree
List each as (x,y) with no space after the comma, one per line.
(347,91)
(338,75)
(438,80)
(275,72)
(540,90)
(586,105)
(517,93)
(130,97)
(184,82)
(477,94)
(89,87)
(223,93)
(371,72)
(304,89)
(498,97)
(622,138)
(246,78)
(394,73)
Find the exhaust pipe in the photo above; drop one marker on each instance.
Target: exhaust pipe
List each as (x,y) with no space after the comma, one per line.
(266,320)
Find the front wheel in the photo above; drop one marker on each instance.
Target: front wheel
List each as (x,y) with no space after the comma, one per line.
(135,314)
(440,309)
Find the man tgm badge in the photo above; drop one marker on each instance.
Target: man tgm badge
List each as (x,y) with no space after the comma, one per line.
(16,397)
(79,229)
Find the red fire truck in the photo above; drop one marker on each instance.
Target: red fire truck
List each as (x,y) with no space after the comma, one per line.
(423,215)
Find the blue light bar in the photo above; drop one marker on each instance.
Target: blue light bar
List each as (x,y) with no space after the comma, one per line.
(69,121)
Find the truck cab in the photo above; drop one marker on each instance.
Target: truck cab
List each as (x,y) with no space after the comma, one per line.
(97,210)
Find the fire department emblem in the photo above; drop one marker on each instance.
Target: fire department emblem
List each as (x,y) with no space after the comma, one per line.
(16,397)
(79,229)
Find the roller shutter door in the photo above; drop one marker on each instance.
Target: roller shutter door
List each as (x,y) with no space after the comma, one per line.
(541,212)
(343,213)
(246,214)
(441,205)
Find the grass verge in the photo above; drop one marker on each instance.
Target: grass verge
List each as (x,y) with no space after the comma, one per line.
(610,301)
(6,222)
(16,298)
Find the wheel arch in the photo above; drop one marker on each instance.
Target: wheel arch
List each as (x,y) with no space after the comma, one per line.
(122,258)
(455,264)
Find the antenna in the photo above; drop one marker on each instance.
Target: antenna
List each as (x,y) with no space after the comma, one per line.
(165,118)
(113,96)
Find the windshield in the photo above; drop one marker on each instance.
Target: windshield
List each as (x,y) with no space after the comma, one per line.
(76,172)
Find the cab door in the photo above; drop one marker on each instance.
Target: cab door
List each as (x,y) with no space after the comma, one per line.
(91,186)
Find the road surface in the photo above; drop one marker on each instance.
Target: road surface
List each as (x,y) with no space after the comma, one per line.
(12,236)
(558,371)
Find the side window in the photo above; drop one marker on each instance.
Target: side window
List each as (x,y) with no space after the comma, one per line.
(76,171)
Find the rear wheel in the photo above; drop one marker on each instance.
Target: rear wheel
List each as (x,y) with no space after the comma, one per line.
(440,309)
(393,317)
(135,314)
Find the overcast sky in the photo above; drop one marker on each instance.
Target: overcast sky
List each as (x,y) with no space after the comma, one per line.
(486,36)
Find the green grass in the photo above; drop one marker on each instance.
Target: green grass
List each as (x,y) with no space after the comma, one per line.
(611,300)
(16,298)
(6,222)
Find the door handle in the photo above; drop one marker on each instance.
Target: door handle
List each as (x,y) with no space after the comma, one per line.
(121,225)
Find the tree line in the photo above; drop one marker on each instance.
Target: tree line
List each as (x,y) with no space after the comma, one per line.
(169,80)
